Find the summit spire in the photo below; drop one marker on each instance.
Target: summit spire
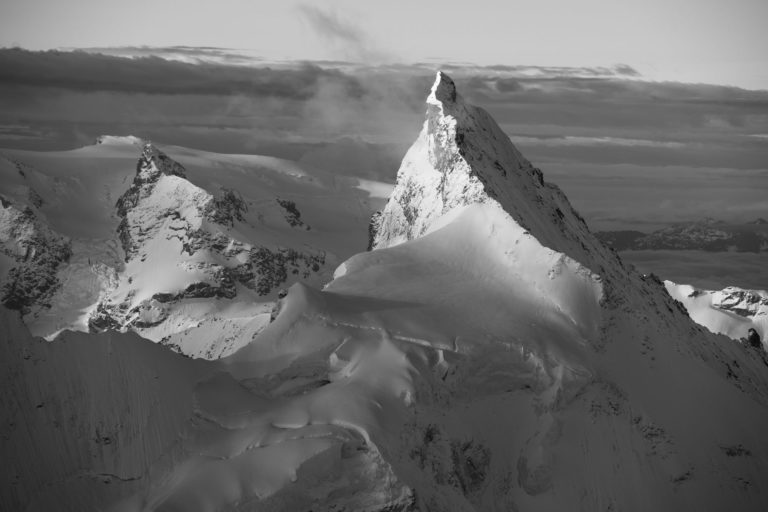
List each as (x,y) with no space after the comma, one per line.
(463,157)
(443,90)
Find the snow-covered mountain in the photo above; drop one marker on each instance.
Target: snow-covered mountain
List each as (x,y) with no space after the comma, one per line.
(182,244)
(193,255)
(489,354)
(731,311)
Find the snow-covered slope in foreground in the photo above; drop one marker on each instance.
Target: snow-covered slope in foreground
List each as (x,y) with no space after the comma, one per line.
(730,311)
(489,355)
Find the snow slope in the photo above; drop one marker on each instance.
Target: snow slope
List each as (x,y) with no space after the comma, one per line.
(731,311)
(490,354)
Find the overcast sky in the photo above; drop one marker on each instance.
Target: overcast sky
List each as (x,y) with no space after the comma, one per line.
(712,41)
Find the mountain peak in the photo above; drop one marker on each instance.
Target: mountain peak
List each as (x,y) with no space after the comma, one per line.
(443,90)
(154,161)
(462,157)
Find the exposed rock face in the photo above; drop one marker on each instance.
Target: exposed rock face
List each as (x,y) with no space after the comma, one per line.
(373,229)
(292,214)
(35,252)
(227,209)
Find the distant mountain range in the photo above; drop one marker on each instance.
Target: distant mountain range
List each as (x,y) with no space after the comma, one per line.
(704,235)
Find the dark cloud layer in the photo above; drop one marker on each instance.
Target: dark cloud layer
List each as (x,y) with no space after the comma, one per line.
(82,71)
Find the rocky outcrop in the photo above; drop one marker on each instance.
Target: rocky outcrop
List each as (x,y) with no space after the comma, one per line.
(292,214)
(373,229)
(226,209)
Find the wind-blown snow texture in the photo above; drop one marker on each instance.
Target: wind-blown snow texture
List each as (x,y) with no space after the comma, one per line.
(489,354)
